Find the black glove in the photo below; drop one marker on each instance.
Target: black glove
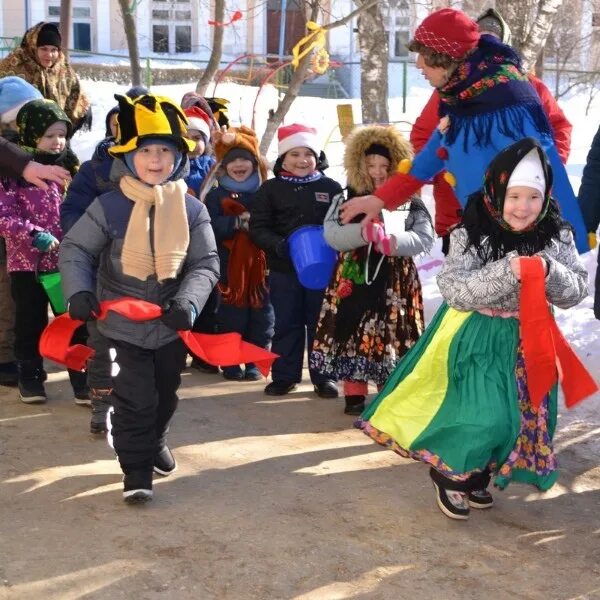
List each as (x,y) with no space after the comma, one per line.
(179,314)
(84,306)
(282,249)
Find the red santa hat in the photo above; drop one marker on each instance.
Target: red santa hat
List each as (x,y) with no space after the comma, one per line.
(297,136)
(448,31)
(198,120)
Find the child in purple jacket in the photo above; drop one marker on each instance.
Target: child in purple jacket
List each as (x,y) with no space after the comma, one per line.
(30,223)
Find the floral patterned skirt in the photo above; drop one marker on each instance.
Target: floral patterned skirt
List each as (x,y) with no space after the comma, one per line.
(459,402)
(385,332)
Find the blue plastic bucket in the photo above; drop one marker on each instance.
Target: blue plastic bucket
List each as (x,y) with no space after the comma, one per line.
(313,259)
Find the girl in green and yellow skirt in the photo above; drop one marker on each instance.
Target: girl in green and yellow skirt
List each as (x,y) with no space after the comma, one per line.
(459,400)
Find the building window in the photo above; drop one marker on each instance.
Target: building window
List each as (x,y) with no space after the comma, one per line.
(397,16)
(171,26)
(160,38)
(81,38)
(183,38)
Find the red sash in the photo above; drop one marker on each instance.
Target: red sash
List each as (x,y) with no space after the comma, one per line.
(223,349)
(548,356)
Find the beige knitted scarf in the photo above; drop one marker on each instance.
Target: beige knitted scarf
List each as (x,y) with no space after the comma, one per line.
(164,254)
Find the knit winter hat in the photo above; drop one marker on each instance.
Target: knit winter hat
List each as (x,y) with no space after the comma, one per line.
(193,99)
(492,22)
(49,35)
(198,120)
(242,138)
(150,116)
(529,173)
(14,93)
(236,153)
(34,119)
(379,150)
(448,31)
(297,136)
(499,177)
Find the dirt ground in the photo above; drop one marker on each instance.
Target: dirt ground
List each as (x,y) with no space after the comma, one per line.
(276,499)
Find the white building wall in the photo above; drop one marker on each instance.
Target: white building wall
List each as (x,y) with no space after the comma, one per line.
(103,23)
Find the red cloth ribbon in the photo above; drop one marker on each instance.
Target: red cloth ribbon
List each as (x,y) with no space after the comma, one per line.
(221,349)
(548,356)
(237,15)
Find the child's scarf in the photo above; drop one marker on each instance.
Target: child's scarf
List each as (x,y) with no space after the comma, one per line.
(490,92)
(247,266)
(164,254)
(291,178)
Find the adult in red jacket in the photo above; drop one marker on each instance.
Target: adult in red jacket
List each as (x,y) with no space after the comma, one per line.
(447,208)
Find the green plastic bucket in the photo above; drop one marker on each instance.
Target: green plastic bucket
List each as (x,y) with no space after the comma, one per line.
(53,287)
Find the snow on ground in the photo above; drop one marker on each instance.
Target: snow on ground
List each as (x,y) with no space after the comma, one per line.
(578,324)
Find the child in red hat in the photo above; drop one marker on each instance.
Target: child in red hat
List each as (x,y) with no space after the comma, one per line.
(298,195)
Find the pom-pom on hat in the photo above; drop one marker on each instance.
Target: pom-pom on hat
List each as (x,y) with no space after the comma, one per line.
(529,173)
(448,31)
(198,120)
(150,116)
(14,93)
(297,136)
(49,35)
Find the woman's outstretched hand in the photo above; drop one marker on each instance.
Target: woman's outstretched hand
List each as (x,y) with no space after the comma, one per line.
(370,206)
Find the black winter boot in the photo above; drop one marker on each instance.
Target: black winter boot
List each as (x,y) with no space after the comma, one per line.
(100,407)
(31,381)
(354,405)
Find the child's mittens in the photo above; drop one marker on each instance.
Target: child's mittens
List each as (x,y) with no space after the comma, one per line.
(373,232)
(242,221)
(179,314)
(44,241)
(83,306)
(386,246)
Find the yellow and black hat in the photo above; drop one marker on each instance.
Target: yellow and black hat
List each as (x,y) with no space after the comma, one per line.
(150,116)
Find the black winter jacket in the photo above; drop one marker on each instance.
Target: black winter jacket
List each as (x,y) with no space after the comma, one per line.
(280,207)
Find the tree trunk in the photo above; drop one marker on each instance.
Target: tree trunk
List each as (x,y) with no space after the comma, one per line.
(538,33)
(374,53)
(217,49)
(132,45)
(65,26)
(530,22)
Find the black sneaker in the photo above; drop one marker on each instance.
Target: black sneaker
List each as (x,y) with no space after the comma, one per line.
(480,499)
(452,503)
(31,391)
(327,389)
(8,374)
(203,367)
(82,397)
(279,388)
(234,373)
(354,405)
(137,487)
(164,462)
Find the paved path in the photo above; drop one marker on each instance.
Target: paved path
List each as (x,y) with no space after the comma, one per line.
(275,499)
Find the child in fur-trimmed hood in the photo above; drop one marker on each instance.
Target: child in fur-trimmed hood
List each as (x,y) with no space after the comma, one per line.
(372,312)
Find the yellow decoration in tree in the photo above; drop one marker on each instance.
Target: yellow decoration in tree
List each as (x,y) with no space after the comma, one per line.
(312,41)
(320,61)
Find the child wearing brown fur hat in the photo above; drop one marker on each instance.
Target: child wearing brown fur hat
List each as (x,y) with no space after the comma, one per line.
(245,306)
(372,312)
